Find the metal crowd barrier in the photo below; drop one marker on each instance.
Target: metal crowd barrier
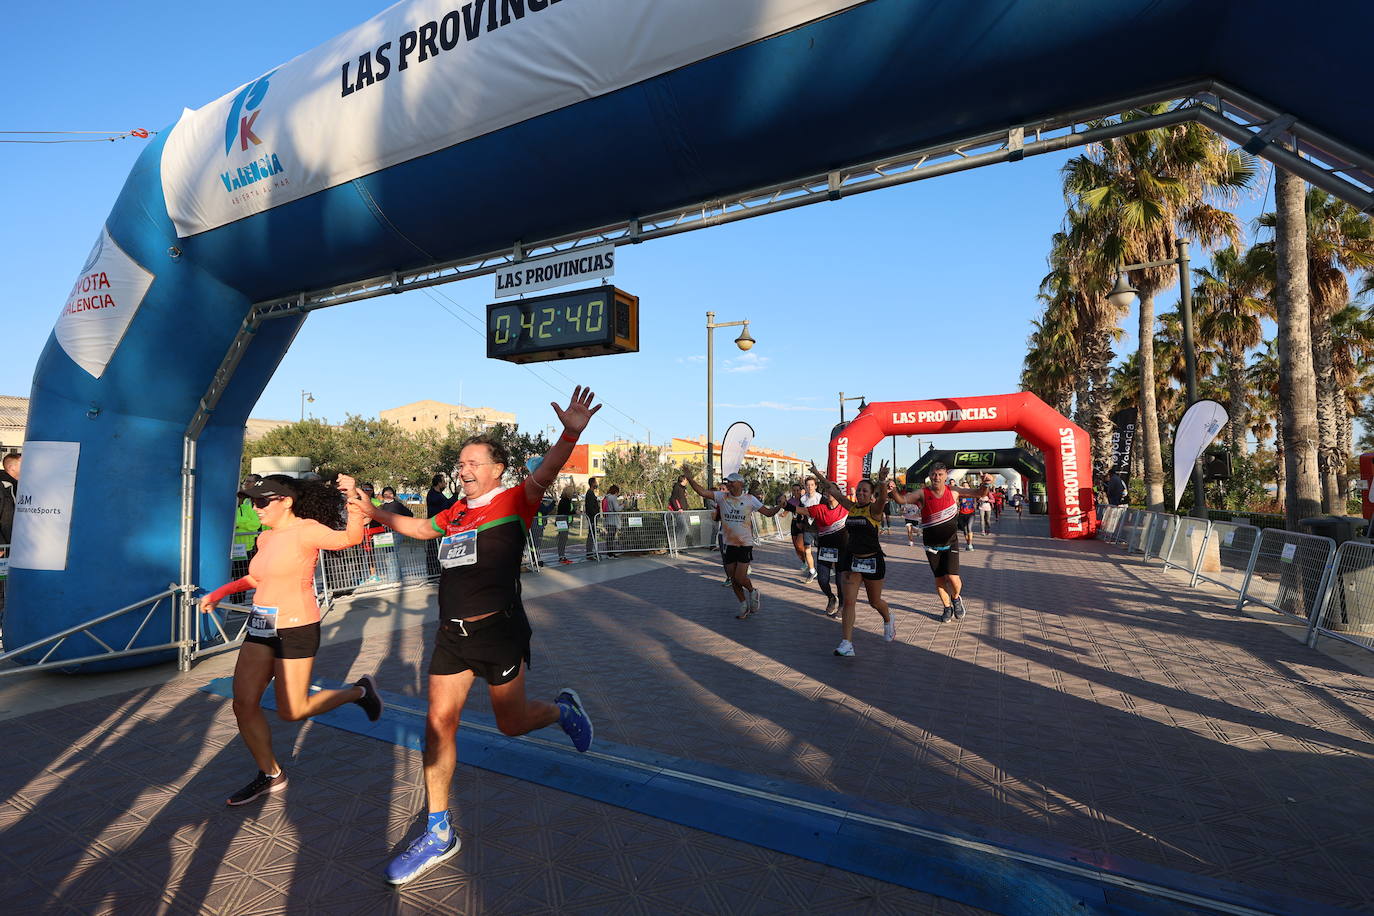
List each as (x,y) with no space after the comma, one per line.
(1112,518)
(556,536)
(1288,572)
(4,577)
(1230,551)
(1346,611)
(693,529)
(633,532)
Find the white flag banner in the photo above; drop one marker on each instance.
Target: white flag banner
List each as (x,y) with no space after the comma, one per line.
(102,302)
(737,440)
(43,511)
(424,75)
(1197,429)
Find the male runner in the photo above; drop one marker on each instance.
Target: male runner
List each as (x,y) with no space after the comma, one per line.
(940,532)
(483,631)
(735,506)
(804,496)
(967,506)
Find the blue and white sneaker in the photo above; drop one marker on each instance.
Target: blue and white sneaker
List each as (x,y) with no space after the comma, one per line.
(573,719)
(426,852)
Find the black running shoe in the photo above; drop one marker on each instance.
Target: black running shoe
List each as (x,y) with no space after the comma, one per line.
(263,785)
(371,700)
(959,610)
(948,615)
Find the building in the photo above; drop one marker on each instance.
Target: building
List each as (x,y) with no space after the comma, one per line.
(14,416)
(436,416)
(769,461)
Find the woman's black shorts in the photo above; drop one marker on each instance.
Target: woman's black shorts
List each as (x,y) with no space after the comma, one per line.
(291,642)
(492,648)
(880,573)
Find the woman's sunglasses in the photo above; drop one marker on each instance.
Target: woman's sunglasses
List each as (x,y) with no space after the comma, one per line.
(262,502)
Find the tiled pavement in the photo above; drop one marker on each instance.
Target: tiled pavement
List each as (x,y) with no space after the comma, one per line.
(1087,700)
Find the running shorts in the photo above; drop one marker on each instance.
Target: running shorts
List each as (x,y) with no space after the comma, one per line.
(944,561)
(847,563)
(964,521)
(912,522)
(735,554)
(492,648)
(291,642)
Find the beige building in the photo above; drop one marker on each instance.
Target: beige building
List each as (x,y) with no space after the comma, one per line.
(14,416)
(436,416)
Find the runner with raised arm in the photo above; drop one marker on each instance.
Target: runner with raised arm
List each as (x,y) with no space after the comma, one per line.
(735,507)
(831,539)
(283,632)
(940,532)
(483,631)
(862,560)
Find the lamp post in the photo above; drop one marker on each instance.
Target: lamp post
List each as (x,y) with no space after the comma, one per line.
(305,396)
(744,342)
(859,398)
(1121,296)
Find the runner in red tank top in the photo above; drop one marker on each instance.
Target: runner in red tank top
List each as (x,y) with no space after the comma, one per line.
(940,531)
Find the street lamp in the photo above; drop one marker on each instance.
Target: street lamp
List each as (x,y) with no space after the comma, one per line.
(745,342)
(859,398)
(1121,295)
(305,396)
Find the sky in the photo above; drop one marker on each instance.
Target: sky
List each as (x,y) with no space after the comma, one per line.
(920,291)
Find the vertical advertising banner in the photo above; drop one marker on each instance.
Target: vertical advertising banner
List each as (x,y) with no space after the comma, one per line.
(1197,429)
(43,510)
(1123,440)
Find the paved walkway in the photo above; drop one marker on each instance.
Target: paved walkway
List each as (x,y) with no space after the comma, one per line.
(1089,708)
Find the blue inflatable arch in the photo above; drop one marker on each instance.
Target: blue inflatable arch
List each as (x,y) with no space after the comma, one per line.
(443,137)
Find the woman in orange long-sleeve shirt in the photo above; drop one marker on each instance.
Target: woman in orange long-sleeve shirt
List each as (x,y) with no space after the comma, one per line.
(284,629)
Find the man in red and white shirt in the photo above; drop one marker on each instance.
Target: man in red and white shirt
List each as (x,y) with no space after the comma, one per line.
(940,527)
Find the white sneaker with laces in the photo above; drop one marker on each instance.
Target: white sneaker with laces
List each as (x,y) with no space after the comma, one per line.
(890,630)
(845,648)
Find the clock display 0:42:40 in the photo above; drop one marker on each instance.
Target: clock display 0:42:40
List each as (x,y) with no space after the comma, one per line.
(552,322)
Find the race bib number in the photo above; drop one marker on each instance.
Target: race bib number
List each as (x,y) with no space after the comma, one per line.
(263,622)
(385,539)
(238,552)
(561,524)
(828,554)
(865,565)
(458,549)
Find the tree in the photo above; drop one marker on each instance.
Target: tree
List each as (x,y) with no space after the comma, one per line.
(313,439)
(1228,302)
(381,452)
(639,469)
(1265,412)
(1143,191)
(1052,356)
(1297,379)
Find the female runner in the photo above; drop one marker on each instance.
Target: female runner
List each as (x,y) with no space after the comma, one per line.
(829,517)
(862,560)
(284,629)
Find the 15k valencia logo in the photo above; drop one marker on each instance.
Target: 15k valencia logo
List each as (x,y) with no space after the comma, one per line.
(240,131)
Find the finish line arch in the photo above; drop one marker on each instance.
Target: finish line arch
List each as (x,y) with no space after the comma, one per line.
(427,145)
(1065,445)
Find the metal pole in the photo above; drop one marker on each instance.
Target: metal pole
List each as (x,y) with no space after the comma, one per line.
(710,394)
(841,406)
(1185,299)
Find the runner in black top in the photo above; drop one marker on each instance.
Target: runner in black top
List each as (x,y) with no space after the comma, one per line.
(863,559)
(483,630)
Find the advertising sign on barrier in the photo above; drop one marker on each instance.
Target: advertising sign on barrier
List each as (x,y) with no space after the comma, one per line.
(238,552)
(634,521)
(1288,552)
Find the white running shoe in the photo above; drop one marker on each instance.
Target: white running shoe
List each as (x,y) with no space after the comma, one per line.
(755,599)
(890,630)
(845,648)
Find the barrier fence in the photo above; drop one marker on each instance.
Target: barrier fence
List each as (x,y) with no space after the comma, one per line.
(1304,576)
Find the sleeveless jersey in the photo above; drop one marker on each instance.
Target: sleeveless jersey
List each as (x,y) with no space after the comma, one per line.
(938,522)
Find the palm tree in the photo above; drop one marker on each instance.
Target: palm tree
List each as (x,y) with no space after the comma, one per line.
(1228,305)
(1297,379)
(1265,411)
(1144,191)
(1339,239)
(1053,356)
(1352,350)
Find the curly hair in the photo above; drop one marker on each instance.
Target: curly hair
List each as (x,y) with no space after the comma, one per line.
(313,499)
(499,453)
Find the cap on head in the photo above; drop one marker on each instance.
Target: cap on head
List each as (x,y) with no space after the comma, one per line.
(734,478)
(273,485)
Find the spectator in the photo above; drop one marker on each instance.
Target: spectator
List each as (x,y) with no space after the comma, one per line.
(435,500)
(562,520)
(542,515)
(591,507)
(611,506)
(391,504)
(677,502)
(9,488)
(1116,489)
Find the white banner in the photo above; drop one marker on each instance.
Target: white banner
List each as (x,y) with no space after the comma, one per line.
(737,440)
(102,302)
(425,75)
(1197,429)
(556,270)
(43,510)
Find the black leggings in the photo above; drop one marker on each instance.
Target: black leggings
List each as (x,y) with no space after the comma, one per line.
(823,577)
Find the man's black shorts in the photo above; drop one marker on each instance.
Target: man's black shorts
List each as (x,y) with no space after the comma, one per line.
(944,562)
(847,565)
(493,649)
(912,522)
(735,554)
(291,642)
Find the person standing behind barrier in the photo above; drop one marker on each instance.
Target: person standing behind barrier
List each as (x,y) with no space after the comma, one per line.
(862,560)
(610,505)
(562,522)
(1116,489)
(483,629)
(677,503)
(911,517)
(591,507)
(541,518)
(831,538)
(736,525)
(246,524)
(283,634)
(435,499)
(940,532)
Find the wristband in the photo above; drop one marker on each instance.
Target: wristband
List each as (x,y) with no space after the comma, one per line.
(564,438)
(238,585)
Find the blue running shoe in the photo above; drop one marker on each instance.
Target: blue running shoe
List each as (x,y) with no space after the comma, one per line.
(573,719)
(426,852)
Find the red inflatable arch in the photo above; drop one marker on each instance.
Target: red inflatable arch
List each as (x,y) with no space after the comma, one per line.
(1068,453)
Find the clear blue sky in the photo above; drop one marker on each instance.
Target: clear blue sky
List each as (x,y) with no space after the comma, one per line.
(915,292)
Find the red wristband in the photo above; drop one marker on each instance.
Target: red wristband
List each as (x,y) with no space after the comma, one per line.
(564,438)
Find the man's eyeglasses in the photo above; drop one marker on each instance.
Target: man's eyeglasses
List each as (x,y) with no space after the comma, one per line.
(466,465)
(262,502)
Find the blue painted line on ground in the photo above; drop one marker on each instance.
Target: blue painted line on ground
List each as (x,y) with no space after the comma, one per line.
(992,869)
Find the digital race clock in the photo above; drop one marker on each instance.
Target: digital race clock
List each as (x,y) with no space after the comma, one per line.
(588,322)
